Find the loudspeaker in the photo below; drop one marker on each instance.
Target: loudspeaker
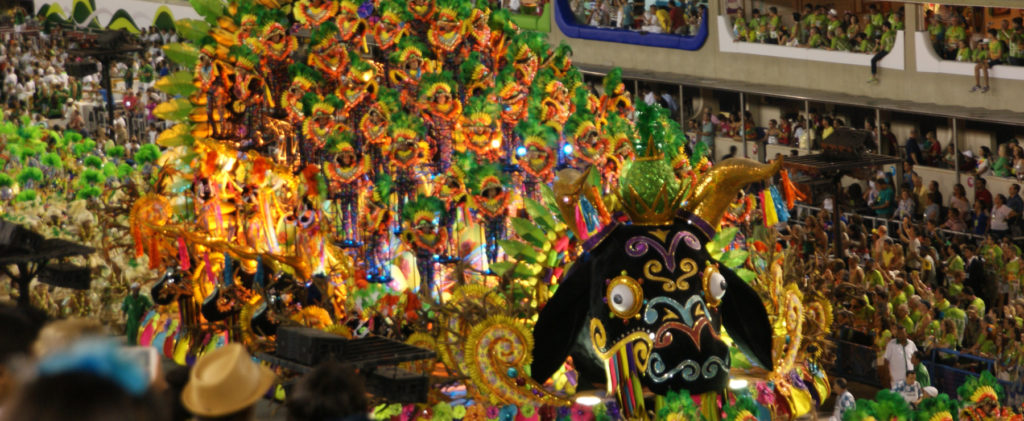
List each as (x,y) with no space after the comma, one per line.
(112,40)
(14,237)
(82,68)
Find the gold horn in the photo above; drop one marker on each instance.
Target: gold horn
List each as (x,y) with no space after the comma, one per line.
(717,188)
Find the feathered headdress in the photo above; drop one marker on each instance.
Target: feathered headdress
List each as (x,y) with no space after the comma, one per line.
(648,187)
(981,389)
(481,177)
(407,47)
(244,57)
(536,134)
(939,408)
(431,83)
(406,126)
(304,76)
(388,101)
(423,208)
(472,71)
(324,36)
(613,83)
(340,142)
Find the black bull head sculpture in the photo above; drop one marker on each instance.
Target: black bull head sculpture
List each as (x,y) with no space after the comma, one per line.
(653,296)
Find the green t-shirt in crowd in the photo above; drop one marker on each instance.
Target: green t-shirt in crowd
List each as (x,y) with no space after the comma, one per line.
(885,196)
(995,50)
(964,54)
(935,30)
(874,278)
(954,34)
(1001,166)
(888,40)
(979,305)
(816,41)
(840,43)
(980,55)
(865,46)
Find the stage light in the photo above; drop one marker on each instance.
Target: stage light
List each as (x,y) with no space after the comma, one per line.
(521,151)
(496,143)
(567,149)
(588,398)
(738,384)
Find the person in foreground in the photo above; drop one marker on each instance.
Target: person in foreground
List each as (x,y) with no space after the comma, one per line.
(225,385)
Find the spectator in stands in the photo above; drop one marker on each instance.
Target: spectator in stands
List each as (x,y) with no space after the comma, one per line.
(884,202)
(906,206)
(982,194)
(1018,163)
(651,23)
(885,44)
(932,210)
(995,56)
(1014,200)
(979,219)
(774,25)
(959,200)
(1001,214)
(897,356)
(890,146)
(816,40)
(913,149)
(936,31)
(1001,165)
(931,149)
(678,17)
(844,399)
(1015,44)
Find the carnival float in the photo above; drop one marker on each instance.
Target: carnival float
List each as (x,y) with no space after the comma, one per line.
(428,173)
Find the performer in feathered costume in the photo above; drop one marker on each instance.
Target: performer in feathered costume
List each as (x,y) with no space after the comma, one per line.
(408,65)
(490,194)
(541,143)
(317,127)
(376,227)
(327,55)
(304,81)
(276,56)
(441,111)
(474,76)
(615,99)
(312,13)
(390,28)
(407,133)
(347,177)
(247,94)
(550,99)
(447,32)
(513,98)
(982,396)
(591,148)
(422,12)
(357,90)
(420,232)
(351,27)
(212,80)
(480,132)
(373,126)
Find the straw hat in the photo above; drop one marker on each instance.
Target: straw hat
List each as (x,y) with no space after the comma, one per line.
(225,381)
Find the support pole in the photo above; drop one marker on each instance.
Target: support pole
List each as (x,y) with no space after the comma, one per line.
(682,109)
(884,149)
(743,123)
(956,149)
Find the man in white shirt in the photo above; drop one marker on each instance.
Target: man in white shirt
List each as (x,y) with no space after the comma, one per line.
(1000,214)
(898,353)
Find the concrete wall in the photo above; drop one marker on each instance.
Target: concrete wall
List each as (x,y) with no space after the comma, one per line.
(709,62)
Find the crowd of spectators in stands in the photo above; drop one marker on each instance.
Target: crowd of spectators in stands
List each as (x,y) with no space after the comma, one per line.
(936,288)
(36,83)
(680,17)
(532,7)
(820,27)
